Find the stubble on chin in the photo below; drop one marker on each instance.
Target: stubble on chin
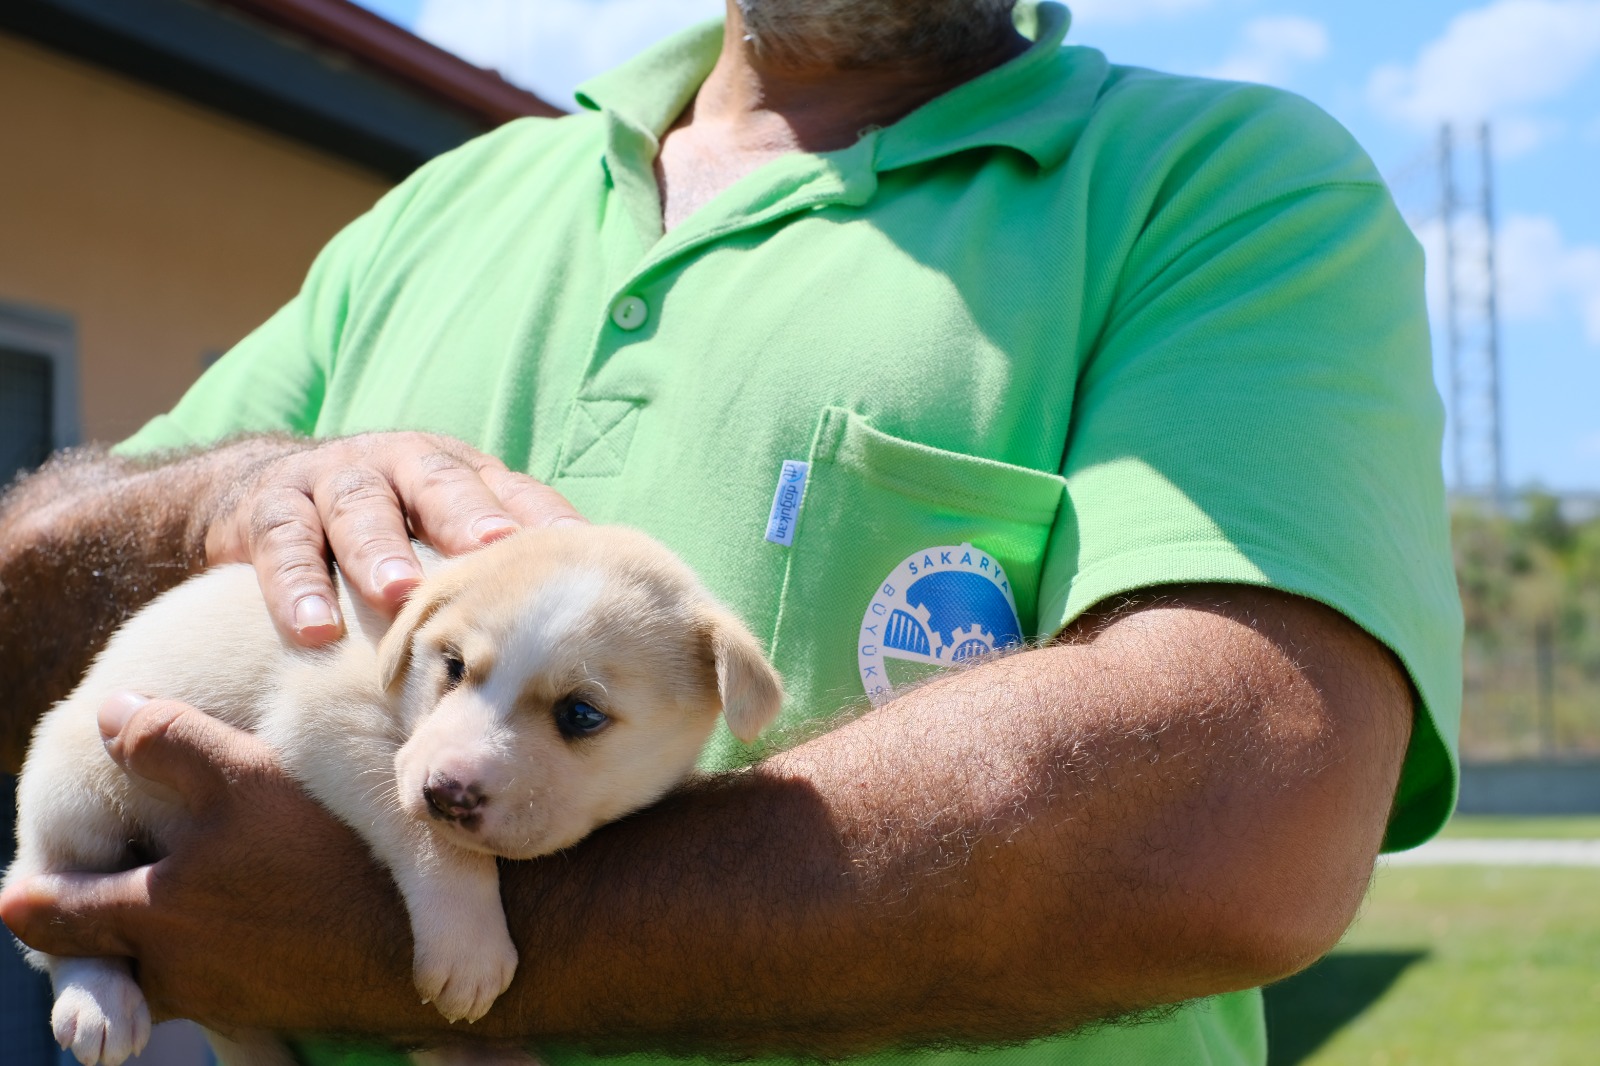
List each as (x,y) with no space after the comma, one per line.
(851,34)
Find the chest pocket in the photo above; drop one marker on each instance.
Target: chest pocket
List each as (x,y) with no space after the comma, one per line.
(905,559)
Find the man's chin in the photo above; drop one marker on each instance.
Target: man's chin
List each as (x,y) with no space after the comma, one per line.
(855,34)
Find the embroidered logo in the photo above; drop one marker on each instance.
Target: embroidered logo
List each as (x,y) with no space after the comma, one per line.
(938,607)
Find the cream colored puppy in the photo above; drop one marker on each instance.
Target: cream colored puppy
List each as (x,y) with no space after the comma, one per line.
(527,693)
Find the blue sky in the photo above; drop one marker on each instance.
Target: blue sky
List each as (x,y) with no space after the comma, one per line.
(1390,71)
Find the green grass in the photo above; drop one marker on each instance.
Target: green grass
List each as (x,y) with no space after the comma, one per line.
(1457,965)
(1563,827)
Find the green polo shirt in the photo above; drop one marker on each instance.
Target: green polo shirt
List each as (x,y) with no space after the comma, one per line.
(1070,330)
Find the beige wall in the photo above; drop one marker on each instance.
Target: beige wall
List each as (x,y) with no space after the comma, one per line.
(165,230)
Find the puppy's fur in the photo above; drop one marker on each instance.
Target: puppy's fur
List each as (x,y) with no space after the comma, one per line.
(439,739)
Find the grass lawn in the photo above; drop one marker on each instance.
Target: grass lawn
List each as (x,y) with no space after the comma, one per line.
(1564,827)
(1457,965)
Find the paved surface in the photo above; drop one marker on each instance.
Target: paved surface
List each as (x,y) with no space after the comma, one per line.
(1458,852)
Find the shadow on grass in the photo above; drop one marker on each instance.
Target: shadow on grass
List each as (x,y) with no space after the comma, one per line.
(1308,1008)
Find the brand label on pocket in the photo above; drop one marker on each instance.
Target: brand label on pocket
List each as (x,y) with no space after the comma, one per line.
(939,606)
(786,501)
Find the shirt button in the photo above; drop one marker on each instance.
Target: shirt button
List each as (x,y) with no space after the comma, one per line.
(629,313)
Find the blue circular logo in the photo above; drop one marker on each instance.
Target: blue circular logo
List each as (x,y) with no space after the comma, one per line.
(938,607)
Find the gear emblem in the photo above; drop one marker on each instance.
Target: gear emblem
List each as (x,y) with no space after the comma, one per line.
(939,607)
(971,642)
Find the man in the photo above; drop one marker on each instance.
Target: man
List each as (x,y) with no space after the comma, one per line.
(914,334)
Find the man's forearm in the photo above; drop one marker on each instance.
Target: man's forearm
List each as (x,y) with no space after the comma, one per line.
(84,542)
(1188,803)
(1066,835)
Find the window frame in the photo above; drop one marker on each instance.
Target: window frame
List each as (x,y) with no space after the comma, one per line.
(52,335)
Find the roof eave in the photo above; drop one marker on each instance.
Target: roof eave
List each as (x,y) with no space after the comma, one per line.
(296,81)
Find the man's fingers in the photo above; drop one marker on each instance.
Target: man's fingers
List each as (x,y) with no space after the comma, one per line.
(364,498)
(531,502)
(366,526)
(449,504)
(178,749)
(75,914)
(288,548)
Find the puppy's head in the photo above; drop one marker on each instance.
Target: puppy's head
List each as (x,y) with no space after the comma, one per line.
(558,679)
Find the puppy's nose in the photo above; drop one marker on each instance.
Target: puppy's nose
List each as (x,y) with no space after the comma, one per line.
(451,800)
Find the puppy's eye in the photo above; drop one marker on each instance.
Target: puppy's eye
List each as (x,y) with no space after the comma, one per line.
(455,670)
(575,718)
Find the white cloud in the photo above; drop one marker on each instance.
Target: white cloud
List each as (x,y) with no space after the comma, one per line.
(1541,275)
(1493,62)
(1517,135)
(554,45)
(1270,48)
(1540,272)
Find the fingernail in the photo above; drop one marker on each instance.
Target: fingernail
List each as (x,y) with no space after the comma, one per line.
(395,572)
(568,520)
(116,710)
(487,529)
(314,612)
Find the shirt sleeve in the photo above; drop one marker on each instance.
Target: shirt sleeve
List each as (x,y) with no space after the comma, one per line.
(1260,409)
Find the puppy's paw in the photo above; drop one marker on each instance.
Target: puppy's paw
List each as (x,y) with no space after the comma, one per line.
(463,977)
(103,1021)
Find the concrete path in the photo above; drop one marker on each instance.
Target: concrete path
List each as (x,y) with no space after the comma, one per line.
(1460,852)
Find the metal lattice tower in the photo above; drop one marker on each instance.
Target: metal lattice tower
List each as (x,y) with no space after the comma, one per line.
(1472,320)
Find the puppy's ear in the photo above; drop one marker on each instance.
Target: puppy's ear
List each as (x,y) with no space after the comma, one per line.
(751,690)
(394,650)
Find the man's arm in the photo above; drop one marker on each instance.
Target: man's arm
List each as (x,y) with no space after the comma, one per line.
(1181,799)
(84,542)
(91,537)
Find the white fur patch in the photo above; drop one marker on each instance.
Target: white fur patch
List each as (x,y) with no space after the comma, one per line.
(564,604)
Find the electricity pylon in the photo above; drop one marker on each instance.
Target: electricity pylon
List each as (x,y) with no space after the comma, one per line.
(1472,321)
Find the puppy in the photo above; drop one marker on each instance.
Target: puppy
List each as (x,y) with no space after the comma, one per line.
(533,690)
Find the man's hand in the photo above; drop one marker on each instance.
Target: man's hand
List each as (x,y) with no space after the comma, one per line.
(365,498)
(1184,798)
(92,537)
(258,871)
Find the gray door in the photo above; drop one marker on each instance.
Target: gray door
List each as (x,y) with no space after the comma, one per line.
(27,397)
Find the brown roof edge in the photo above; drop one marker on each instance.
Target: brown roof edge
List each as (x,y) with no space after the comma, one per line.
(379,43)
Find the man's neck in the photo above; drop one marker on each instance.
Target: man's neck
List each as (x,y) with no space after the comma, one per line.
(753,108)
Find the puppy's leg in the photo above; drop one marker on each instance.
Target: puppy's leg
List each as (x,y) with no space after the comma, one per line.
(464,955)
(344,755)
(70,819)
(250,1049)
(100,1015)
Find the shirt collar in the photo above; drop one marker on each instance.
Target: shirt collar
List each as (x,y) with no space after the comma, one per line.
(651,90)
(1035,103)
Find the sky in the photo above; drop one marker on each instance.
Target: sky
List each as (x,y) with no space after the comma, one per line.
(1392,72)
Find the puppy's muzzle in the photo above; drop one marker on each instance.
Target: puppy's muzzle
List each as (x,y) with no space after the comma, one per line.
(452,801)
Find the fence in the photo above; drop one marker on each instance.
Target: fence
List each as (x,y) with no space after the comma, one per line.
(1530,587)
(1530,691)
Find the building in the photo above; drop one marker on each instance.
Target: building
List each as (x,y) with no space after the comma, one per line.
(171,168)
